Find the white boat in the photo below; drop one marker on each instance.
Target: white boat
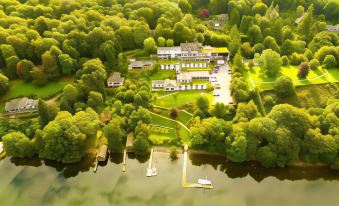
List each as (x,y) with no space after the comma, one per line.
(204,182)
(1,147)
(154,171)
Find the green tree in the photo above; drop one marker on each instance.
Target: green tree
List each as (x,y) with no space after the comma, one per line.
(64,138)
(161,42)
(169,42)
(270,43)
(255,35)
(329,62)
(306,26)
(141,145)
(235,44)
(318,147)
(115,133)
(185,6)
(266,156)
(237,150)
(284,86)
(218,6)
(16,144)
(149,46)
(234,17)
(95,100)
(270,62)
(202,103)
(47,112)
(246,112)
(4,84)
(24,68)
(10,69)
(142,115)
(297,120)
(67,64)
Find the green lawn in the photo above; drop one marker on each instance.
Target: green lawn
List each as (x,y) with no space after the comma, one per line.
(307,96)
(175,130)
(267,83)
(333,74)
(182,97)
(19,88)
(184,117)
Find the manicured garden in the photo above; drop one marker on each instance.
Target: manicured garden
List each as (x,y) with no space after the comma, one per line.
(264,82)
(167,130)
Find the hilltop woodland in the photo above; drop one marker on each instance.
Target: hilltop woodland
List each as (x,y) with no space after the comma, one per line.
(42,41)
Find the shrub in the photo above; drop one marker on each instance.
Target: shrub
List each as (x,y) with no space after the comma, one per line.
(284,86)
(329,62)
(285,61)
(296,59)
(269,100)
(303,70)
(173,153)
(314,64)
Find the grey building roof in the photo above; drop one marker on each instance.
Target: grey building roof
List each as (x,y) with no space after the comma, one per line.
(170,83)
(190,75)
(21,103)
(158,81)
(115,77)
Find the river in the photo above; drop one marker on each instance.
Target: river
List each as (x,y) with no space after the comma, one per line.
(34,182)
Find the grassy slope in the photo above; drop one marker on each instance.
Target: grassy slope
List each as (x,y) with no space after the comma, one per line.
(183,134)
(307,96)
(182,97)
(290,71)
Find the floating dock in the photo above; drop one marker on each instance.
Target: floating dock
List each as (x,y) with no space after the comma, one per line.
(185,184)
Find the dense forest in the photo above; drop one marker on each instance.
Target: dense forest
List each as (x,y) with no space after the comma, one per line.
(42,41)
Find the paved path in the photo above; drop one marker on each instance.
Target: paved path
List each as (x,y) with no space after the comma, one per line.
(224,80)
(167,95)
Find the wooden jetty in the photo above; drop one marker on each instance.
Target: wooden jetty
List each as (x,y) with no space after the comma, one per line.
(202,183)
(124,161)
(151,171)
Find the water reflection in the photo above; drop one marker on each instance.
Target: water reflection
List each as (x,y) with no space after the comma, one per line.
(219,163)
(259,173)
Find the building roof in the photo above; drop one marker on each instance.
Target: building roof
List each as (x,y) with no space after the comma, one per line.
(190,46)
(219,50)
(190,75)
(20,103)
(298,20)
(332,27)
(129,141)
(115,77)
(170,83)
(158,81)
(168,50)
(142,63)
(102,153)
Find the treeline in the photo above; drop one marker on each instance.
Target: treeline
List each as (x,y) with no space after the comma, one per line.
(285,136)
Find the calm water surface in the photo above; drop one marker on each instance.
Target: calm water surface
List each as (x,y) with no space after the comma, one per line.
(34,182)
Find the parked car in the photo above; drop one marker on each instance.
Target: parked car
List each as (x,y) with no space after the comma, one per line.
(213,79)
(217,85)
(216,93)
